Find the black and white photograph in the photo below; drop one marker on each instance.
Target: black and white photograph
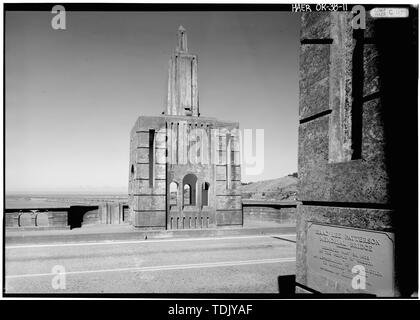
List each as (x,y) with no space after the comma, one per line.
(199,150)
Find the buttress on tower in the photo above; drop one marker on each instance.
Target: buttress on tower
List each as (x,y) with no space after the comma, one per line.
(184,170)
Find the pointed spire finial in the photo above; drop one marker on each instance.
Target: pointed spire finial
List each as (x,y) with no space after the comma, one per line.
(182,80)
(182,39)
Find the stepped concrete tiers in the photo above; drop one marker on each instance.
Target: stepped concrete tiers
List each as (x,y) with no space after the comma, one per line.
(357,217)
(184,169)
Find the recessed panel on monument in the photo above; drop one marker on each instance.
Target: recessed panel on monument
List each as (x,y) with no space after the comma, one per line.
(349,260)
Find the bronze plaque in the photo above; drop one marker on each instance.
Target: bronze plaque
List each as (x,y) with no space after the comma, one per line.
(349,260)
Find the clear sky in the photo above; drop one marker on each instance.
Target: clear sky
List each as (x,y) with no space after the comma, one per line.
(72,96)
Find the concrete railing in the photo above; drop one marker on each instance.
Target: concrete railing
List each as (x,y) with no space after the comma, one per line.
(280,211)
(66,218)
(118,213)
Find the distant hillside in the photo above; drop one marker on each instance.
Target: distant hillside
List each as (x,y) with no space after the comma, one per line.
(284,188)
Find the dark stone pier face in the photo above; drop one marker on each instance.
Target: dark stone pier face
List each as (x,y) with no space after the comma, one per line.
(357,161)
(184,170)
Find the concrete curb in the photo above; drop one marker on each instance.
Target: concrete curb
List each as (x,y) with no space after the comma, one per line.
(21,238)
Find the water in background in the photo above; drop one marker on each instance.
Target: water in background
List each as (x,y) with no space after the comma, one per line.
(28,201)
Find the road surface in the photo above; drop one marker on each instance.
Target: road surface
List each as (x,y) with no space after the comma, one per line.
(229,264)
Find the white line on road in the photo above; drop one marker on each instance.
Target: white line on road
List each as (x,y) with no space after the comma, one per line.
(74,244)
(167,267)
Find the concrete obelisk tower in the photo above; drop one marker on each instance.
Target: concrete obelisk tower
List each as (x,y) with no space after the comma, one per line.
(185,170)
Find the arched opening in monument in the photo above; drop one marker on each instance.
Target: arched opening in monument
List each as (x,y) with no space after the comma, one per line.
(187,195)
(189,184)
(132,172)
(131,180)
(173,193)
(205,194)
